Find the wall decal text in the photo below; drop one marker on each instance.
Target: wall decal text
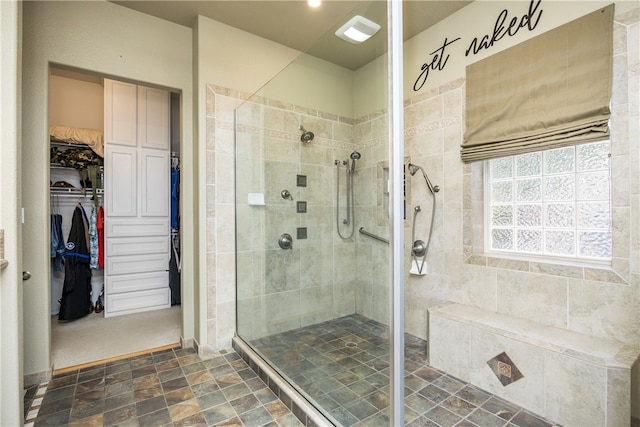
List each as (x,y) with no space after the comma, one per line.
(439,57)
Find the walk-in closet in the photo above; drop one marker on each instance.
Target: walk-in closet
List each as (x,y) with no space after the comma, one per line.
(115,217)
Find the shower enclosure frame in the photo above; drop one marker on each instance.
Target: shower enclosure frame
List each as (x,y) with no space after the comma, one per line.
(396,214)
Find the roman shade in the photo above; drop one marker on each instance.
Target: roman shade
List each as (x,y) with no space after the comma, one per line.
(547,92)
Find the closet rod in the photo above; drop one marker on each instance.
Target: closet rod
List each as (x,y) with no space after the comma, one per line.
(75,194)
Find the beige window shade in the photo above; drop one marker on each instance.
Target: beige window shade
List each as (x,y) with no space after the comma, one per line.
(550,91)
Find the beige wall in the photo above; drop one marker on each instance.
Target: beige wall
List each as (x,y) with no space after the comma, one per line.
(76,102)
(476,20)
(309,82)
(110,40)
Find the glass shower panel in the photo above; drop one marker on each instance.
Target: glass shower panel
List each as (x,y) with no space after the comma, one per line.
(312,290)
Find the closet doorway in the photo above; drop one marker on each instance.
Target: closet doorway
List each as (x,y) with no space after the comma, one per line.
(115,221)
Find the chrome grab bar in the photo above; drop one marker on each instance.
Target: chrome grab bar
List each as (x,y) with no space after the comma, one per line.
(366,233)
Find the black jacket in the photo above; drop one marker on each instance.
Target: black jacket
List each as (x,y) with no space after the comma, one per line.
(76,291)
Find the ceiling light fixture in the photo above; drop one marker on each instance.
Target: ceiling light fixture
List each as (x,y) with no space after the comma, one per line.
(357,29)
(314,3)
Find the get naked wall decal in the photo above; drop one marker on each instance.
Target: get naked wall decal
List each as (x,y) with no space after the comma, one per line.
(439,57)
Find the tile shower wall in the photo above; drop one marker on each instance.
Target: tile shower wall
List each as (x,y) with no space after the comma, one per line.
(602,303)
(322,277)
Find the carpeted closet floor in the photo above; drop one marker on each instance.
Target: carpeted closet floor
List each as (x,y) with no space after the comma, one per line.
(96,337)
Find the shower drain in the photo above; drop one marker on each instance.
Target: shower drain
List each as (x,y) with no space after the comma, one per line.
(351,344)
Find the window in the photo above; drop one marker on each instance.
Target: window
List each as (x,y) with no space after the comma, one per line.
(553,204)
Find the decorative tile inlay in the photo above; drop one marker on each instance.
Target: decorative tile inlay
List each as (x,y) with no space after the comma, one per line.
(506,371)
(301,207)
(301,180)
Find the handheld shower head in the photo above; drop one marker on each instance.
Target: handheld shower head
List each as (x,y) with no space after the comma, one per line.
(306,136)
(415,168)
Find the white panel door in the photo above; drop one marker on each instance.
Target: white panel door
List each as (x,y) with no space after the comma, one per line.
(155,174)
(121,183)
(137,202)
(153,118)
(120,113)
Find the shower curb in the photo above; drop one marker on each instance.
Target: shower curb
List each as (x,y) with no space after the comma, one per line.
(301,408)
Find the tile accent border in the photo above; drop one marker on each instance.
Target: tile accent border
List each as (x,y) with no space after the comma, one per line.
(301,408)
(34,408)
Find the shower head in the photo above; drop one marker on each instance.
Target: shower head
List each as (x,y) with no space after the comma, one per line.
(415,168)
(306,136)
(354,156)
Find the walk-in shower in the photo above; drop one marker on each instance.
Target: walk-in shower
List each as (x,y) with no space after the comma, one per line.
(313,307)
(349,219)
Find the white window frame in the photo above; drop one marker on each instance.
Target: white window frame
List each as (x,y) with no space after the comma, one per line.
(541,258)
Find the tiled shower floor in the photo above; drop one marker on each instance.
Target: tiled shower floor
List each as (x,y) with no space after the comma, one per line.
(343,365)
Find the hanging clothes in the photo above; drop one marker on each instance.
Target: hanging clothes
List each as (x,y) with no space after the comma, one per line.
(93,238)
(57,242)
(174,269)
(175,185)
(76,290)
(100,226)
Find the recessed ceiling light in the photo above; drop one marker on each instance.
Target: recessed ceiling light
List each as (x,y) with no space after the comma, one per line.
(357,29)
(314,3)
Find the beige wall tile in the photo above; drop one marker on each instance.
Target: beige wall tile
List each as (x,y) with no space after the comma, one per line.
(542,299)
(575,391)
(618,402)
(604,309)
(450,346)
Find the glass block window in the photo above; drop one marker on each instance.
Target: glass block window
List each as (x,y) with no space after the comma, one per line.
(553,203)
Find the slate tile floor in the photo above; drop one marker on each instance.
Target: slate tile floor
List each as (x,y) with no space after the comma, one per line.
(343,365)
(173,387)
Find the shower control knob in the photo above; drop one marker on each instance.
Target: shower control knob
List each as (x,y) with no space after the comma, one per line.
(286,194)
(285,241)
(419,248)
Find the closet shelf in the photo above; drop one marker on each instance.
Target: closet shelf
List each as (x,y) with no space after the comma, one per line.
(58,143)
(59,166)
(75,191)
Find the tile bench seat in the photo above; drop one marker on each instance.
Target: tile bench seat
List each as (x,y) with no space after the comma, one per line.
(569,377)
